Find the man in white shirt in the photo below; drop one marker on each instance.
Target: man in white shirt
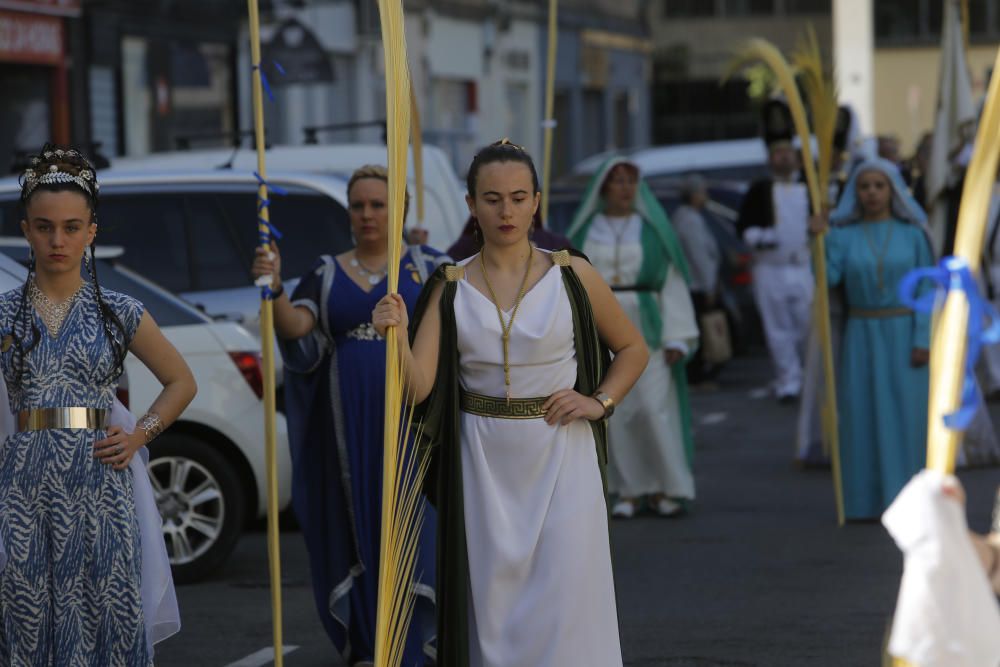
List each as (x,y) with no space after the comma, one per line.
(773,222)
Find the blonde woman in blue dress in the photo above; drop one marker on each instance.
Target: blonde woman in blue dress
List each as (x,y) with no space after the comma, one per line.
(77,588)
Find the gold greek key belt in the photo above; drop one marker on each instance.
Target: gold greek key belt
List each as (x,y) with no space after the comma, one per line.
(878,313)
(488,406)
(40,419)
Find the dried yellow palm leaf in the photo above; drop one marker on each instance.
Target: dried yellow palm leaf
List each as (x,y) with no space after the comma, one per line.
(949,343)
(821,94)
(402,506)
(760,50)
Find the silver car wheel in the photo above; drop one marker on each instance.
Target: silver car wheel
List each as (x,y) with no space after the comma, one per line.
(191,505)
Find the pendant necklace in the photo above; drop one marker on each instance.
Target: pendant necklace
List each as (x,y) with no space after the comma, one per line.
(505,327)
(53,314)
(618,229)
(373,277)
(878,253)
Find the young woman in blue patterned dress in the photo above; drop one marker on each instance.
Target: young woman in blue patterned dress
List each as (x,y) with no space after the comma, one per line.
(70,592)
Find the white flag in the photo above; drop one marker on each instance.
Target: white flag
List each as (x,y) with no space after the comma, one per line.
(956,115)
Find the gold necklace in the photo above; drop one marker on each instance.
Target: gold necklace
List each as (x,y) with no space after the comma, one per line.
(505,327)
(619,234)
(878,253)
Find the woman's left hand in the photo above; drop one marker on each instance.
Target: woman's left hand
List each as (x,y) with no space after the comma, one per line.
(919,357)
(567,405)
(118,448)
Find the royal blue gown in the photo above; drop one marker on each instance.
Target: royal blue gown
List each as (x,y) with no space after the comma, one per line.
(882,398)
(335,402)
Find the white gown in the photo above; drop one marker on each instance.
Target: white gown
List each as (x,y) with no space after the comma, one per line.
(542,592)
(646,442)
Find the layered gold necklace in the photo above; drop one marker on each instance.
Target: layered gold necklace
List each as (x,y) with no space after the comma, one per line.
(507,325)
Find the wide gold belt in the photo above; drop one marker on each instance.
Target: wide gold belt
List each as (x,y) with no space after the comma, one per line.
(488,406)
(878,313)
(40,419)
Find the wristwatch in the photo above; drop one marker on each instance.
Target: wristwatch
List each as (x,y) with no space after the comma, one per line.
(606,402)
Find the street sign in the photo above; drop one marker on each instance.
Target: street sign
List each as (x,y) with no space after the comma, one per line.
(296,49)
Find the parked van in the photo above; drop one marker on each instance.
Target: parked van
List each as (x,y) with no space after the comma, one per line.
(445,207)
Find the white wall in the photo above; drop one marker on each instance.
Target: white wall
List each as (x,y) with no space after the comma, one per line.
(854,62)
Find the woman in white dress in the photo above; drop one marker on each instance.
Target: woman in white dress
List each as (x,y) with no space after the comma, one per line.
(509,363)
(625,232)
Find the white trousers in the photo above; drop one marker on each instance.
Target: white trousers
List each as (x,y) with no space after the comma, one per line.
(784,295)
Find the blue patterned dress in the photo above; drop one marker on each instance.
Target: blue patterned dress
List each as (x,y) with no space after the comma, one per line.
(70,592)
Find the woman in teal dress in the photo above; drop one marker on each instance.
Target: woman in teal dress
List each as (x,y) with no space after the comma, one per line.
(878,236)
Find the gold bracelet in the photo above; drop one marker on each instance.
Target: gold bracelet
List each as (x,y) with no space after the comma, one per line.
(606,402)
(152,425)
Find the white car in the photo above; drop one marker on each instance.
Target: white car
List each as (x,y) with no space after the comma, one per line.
(445,208)
(208,468)
(730,160)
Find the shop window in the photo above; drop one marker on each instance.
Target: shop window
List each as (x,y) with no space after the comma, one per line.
(748,7)
(688,8)
(701,110)
(594,131)
(808,6)
(175,93)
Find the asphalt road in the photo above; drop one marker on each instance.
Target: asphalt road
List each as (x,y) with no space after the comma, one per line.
(759,575)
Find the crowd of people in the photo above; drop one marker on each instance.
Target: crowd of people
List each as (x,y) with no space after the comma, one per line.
(549,373)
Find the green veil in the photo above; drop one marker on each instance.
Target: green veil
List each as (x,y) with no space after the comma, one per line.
(656,233)
(661,249)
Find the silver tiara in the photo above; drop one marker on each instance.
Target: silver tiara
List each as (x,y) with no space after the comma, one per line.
(84,180)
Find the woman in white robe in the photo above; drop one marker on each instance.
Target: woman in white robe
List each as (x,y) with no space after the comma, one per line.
(625,232)
(513,392)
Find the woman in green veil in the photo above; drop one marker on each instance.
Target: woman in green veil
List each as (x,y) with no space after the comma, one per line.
(625,232)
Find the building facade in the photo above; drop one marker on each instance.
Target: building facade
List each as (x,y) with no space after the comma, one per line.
(695,40)
(39,42)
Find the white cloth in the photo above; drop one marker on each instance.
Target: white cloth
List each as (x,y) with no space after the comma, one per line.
(946,613)
(646,453)
(700,248)
(542,592)
(159,600)
(783,286)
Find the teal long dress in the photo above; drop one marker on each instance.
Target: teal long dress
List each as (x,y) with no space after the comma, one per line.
(882,398)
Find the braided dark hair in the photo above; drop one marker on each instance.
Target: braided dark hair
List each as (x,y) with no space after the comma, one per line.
(68,171)
(499,151)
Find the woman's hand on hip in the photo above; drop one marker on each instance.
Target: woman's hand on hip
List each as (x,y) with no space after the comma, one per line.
(568,405)
(919,357)
(390,311)
(118,448)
